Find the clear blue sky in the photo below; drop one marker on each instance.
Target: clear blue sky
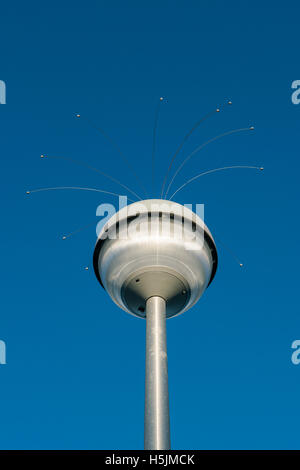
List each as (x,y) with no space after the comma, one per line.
(74,376)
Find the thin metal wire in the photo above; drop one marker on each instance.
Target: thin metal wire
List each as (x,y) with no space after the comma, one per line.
(115,145)
(83,227)
(213,171)
(76,188)
(80,163)
(234,131)
(186,137)
(234,256)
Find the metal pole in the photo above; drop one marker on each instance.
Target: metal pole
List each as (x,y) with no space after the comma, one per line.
(157,420)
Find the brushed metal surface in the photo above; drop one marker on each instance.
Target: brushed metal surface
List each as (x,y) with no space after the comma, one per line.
(157,418)
(147,247)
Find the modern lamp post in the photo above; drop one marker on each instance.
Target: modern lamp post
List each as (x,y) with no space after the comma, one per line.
(155,258)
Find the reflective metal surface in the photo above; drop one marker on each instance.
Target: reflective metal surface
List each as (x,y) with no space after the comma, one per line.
(157,420)
(155,263)
(185,250)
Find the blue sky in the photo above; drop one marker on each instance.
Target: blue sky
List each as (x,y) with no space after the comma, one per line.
(74,376)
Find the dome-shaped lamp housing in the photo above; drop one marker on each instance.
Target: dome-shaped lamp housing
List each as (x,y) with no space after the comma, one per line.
(155,248)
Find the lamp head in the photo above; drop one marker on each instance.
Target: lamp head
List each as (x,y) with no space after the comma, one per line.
(155,248)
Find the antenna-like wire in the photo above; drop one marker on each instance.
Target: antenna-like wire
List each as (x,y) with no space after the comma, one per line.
(156,116)
(115,145)
(213,171)
(186,137)
(229,251)
(234,131)
(76,188)
(80,163)
(80,229)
